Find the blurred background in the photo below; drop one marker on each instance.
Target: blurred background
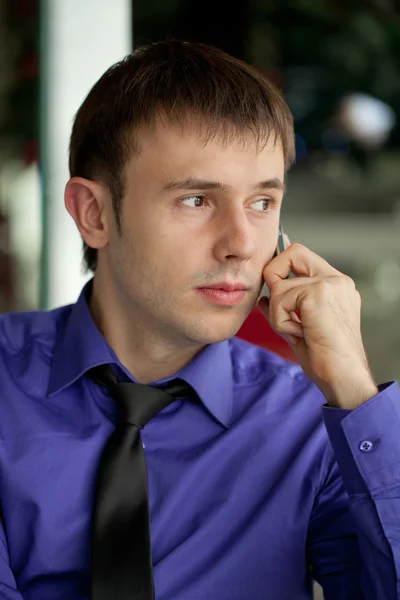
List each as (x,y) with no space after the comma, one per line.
(338,64)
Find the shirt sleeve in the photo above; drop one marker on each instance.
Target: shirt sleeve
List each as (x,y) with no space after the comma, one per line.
(8,586)
(366,446)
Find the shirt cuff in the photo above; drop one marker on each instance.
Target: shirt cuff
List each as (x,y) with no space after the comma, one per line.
(366,440)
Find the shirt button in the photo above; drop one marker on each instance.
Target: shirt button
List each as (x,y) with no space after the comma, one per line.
(366,446)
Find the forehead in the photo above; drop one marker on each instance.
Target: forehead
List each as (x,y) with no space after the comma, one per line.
(166,149)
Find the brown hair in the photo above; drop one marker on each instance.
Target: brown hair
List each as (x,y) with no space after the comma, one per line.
(191,84)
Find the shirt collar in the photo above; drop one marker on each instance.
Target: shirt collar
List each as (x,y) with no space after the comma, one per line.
(210,374)
(81,346)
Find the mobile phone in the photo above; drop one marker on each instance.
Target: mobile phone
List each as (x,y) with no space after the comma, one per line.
(280,247)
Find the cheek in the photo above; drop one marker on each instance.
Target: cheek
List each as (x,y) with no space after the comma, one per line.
(160,251)
(265,240)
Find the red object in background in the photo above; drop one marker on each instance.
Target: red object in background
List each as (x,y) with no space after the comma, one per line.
(30,152)
(7,273)
(257,330)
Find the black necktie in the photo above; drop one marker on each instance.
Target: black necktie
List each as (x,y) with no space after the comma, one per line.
(121,564)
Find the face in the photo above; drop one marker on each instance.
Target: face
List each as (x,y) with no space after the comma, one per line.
(199,223)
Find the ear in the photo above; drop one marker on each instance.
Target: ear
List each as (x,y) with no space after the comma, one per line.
(86,202)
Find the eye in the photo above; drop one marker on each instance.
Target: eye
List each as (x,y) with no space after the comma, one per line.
(193,201)
(262,204)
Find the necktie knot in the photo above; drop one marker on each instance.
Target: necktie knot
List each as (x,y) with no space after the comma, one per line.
(137,402)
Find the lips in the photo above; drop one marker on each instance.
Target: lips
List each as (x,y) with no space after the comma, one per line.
(223,294)
(227,287)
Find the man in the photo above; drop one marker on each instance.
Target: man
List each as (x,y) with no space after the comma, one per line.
(177,160)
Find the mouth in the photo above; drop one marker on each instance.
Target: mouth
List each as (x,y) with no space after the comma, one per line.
(223,293)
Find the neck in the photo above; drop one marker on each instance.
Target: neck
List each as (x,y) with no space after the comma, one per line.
(146,354)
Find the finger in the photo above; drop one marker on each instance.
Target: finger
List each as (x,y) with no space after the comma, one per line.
(282,313)
(290,338)
(295,317)
(299,260)
(280,288)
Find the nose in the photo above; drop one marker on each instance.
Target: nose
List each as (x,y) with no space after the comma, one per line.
(234,236)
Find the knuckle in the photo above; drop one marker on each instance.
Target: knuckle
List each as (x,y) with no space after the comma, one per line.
(348,281)
(340,280)
(275,287)
(324,288)
(297,247)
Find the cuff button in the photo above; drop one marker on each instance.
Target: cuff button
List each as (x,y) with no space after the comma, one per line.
(366,446)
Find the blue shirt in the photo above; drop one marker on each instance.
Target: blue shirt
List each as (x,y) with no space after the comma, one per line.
(247,500)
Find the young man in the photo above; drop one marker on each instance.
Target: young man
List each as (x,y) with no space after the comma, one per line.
(177,159)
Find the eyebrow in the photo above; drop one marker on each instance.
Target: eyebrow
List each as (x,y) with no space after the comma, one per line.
(191,183)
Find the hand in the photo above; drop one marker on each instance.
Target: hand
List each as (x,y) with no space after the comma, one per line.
(318,313)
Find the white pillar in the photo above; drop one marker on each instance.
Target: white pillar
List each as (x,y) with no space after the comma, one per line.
(80,40)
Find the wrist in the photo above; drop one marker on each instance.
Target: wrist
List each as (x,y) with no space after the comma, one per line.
(351,392)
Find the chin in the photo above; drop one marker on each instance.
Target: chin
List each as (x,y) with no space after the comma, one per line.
(218,329)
